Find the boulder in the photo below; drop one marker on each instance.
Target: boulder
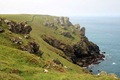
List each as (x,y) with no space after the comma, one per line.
(45,71)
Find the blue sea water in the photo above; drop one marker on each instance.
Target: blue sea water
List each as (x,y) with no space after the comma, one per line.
(105,32)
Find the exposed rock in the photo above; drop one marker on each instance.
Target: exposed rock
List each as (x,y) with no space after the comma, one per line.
(2,30)
(82,31)
(63,21)
(27,36)
(57,61)
(86,52)
(32,47)
(26,29)
(85,47)
(6,21)
(49,24)
(77,26)
(83,53)
(64,28)
(16,40)
(52,65)
(21,28)
(67,49)
(67,34)
(45,71)
(56,19)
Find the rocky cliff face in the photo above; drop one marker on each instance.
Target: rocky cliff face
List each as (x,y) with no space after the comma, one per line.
(82,53)
(86,52)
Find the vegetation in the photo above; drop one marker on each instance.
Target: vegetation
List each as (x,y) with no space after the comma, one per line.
(16,64)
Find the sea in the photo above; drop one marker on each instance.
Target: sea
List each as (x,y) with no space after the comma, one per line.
(105,32)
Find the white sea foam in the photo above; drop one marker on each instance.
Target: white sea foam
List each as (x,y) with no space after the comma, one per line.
(113,63)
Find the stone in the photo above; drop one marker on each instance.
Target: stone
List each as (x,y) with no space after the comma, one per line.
(45,71)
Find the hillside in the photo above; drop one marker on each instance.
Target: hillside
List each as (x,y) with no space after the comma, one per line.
(43,47)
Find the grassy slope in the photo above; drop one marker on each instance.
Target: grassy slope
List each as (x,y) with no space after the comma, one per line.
(23,63)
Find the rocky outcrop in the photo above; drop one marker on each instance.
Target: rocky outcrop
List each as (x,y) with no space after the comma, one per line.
(85,47)
(86,53)
(77,26)
(32,47)
(21,28)
(17,40)
(57,61)
(63,21)
(82,53)
(82,31)
(67,34)
(49,24)
(67,49)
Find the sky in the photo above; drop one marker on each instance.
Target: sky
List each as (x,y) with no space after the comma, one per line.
(61,7)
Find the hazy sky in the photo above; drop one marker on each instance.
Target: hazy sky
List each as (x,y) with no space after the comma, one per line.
(62,7)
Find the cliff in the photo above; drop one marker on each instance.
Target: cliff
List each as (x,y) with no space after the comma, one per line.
(46,48)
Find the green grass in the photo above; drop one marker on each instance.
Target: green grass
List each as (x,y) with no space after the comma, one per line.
(21,65)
